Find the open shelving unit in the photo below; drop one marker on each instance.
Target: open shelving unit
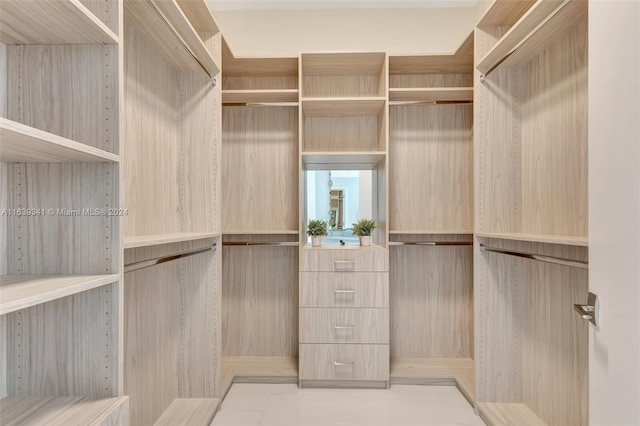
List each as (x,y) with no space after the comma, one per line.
(60,268)
(531,198)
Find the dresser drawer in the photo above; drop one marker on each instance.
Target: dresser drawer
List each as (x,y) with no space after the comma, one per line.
(355,290)
(344,362)
(344,260)
(344,325)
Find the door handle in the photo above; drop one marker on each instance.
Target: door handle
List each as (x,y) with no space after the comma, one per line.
(591,310)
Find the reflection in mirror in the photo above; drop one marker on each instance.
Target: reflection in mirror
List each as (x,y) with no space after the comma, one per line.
(340,197)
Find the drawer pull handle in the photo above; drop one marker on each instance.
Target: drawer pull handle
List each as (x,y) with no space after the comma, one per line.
(343,364)
(344,265)
(344,327)
(344,291)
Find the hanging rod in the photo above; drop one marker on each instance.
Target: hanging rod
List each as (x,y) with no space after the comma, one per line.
(557,10)
(430,243)
(418,103)
(259,243)
(166,21)
(134,266)
(261,104)
(540,257)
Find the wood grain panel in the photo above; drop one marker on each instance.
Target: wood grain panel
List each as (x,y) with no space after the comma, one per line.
(347,325)
(260,301)
(340,85)
(497,414)
(381,175)
(4,220)
(498,311)
(327,134)
(3,356)
(106,11)
(199,168)
(67,90)
(431,302)
(420,79)
(431,64)
(342,63)
(555,367)
(370,290)
(152,130)
(554,138)
(234,82)
(259,168)
(65,347)
(189,412)
(340,259)
(152,341)
(497,145)
(431,167)
(504,13)
(36,242)
(61,411)
(201,319)
(370,362)
(3,79)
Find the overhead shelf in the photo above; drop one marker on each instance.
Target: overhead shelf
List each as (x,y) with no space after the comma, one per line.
(335,107)
(23,291)
(342,160)
(542,24)
(260,96)
(537,238)
(23,144)
(430,95)
(62,411)
(504,13)
(165,25)
(159,239)
(432,232)
(51,22)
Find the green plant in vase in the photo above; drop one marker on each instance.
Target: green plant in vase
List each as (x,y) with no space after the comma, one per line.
(363,229)
(316,229)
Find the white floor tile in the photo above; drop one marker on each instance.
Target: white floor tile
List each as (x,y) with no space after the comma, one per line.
(402,405)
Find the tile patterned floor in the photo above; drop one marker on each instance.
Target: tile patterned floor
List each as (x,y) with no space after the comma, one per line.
(285,405)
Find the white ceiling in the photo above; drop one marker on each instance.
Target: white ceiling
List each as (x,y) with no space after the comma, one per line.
(336,4)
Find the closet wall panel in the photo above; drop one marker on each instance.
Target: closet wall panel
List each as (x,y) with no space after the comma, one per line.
(431,157)
(431,302)
(259,165)
(260,301)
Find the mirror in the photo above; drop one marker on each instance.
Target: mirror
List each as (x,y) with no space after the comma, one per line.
(340,197)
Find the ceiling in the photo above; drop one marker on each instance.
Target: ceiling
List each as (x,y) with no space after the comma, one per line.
(336,4)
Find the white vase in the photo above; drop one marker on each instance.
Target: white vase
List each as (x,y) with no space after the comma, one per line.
(316,240)
(365,241)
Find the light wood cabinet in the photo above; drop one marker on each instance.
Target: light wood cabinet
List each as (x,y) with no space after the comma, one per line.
(60,278)
(332,365)
(344,325)
(347,290)
(531,197)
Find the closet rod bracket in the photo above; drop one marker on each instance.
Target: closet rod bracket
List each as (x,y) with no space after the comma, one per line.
(590,311)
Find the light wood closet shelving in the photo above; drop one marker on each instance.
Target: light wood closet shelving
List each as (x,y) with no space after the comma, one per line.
(260,219)
(59,271)
(431,203)
(172,179)
(531,196)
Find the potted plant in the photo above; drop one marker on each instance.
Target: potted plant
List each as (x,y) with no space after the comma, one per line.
(363,229)
(316,229)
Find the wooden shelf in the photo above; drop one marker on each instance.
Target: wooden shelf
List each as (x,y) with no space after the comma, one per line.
(431,94)
(431,64)
(189,412)
(23,291)
(24,144)
(433,371)
(504,13)
(167,27)
(550,239)
(51,22)
(342,63)
(63,411)
(259,96)
(495,414)
(338,106)
(258,369)
(156,240)
(342,160)
(536,29)
(262,232)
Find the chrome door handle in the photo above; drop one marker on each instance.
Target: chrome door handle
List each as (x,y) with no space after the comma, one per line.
(344,327)
(344,265)
(344,291)
(343,364)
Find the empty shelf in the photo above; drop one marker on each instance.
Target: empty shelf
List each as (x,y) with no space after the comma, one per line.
(431,94)
(259,96)
(352,106)
(23,291)
(20,143)
(189,412)
(537,238)
(155,240)
(342,160)
(64,411)
(51,22)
